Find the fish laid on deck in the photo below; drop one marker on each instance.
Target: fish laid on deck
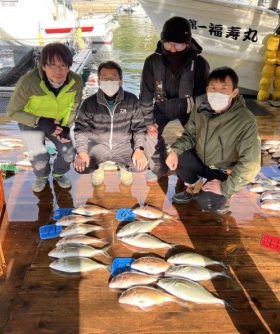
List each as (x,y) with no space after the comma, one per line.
(261,187)
(81,239)
(271,204)
(128,279)
(188,291)
(90,210)
(151,212)
(79,229)
(193,259)
(137,227)
(144,296)
(145,241)
(151,265)
(193,273)
(270,195)
(70,250)
(73,219)
(77,265)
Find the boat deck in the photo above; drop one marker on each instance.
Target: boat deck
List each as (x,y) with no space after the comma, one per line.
(34,299)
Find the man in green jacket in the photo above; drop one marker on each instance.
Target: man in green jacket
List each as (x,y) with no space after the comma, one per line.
(44,104)
(220,143)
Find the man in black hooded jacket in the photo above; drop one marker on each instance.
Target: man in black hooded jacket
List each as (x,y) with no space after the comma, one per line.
(173,76)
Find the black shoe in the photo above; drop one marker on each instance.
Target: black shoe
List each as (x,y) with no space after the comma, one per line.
(183,197)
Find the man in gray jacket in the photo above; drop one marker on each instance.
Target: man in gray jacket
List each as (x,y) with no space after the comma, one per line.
(110,126)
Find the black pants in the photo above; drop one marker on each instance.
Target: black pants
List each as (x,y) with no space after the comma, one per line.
(190,169)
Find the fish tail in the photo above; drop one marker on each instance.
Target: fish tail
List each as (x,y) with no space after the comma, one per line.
(224,274)
(222,264)
(229,307)
(108,268)
(105,250)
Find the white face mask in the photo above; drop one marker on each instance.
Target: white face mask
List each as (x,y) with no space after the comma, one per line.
(55,84)
(218,101)
(110,88)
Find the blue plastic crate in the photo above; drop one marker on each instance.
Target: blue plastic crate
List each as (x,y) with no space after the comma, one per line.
(125,215)
(62,212)
(50,231)
(121,264)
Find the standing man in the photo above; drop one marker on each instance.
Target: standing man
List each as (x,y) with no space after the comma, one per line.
(110,126)
(44,104)
(172,78)
(220,143)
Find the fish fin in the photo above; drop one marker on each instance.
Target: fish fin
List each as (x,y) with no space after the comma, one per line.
(224,274)
(222,264)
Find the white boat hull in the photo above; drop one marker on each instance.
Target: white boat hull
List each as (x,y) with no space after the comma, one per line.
(241,47)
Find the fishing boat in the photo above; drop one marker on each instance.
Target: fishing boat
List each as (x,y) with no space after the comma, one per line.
(43,21)
(231,33)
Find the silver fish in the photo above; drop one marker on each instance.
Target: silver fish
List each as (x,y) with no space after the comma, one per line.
(10,140)
(77,265)
(189,291)
(145,241)
(271,204)
(193,259)
(270,195)
(79,229)
(152,213)
(259,188)
(271,142)
(144,296)
(264,180)
(193,273)
(138,227)
(73,219)
(80,239)
(70,250)
(90,210)
(128,279)
(150,265)
(274,149)
(266,147)
(276,154)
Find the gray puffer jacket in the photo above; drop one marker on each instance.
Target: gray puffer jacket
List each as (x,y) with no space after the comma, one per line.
(95,123)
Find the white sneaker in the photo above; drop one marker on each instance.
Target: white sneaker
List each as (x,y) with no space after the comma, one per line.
(97,177)
(126,176)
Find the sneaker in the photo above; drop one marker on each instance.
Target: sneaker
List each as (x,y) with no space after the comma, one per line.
(183,197)
(126,176)
(39,184)
(224,209)
(97,177)
(63,181)
(151,177)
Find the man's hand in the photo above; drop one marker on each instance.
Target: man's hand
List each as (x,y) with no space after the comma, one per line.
(81,161)
(172,160)
(152,130)
(139,160)
(49,126)
(64,137)
(215,186)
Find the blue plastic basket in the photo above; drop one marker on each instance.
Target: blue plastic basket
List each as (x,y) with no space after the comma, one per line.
(125,215)
(121,264)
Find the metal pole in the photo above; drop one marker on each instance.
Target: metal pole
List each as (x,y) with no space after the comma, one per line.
(273,4)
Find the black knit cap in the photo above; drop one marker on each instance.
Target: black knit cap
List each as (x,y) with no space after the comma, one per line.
(177,29)
(209,201)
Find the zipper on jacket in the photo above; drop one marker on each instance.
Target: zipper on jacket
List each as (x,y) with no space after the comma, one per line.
(221,147)
(112,121)
(205,140)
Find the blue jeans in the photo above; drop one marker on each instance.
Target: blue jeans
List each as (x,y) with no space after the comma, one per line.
(34,140)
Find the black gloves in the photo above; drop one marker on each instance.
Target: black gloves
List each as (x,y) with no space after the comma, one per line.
(47,125)
(65,133)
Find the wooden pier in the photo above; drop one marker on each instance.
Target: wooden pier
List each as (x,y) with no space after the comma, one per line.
(34,299)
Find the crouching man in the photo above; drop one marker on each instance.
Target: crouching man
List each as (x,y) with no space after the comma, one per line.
(220,143)
(110,126)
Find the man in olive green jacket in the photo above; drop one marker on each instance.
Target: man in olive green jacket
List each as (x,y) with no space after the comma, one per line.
(220,143)
(44,104)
